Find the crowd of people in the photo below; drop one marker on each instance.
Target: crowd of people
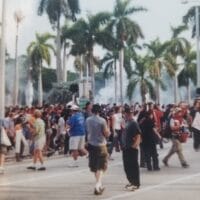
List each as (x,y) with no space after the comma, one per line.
(98,130)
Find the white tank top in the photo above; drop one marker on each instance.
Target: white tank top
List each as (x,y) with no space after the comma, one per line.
(117,121)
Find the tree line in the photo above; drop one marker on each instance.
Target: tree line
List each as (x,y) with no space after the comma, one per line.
(122,37)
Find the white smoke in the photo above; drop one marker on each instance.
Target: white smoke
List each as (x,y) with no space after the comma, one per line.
(29,92)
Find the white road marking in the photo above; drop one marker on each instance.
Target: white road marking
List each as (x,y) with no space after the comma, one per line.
(130,194)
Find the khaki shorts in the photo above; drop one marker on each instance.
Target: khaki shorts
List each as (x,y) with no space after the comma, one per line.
(76,142)
(98,158)
(40,143)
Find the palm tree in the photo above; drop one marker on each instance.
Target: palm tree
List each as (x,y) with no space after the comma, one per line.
(140,76)
(155,51)
(189,71)
(124,29)
(190,19)
(55,9)
(39,51)
(85,34)
(177,46)
(18,18)
(65,58)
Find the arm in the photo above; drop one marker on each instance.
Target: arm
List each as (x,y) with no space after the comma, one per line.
(136,141)
(157,133)
(106,131)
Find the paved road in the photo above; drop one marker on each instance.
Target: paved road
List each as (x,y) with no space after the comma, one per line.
(59,182)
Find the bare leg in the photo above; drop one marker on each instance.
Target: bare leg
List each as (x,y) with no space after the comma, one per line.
(98,176)
(75,154)
(2,160)
(40,156)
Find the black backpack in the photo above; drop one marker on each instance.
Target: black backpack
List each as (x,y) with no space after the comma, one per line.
(167,132)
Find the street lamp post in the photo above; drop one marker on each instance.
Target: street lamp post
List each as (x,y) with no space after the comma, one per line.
(197,38)
(2,61)
(197,41)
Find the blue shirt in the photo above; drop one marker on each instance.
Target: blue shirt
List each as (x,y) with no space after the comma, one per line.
(77,124)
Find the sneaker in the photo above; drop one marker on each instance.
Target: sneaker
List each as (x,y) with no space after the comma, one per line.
(99,191)
(156,169)
(128,185)
(165,163)
(41,169)
(73,163)
(31,167)
(185,165)
(131,187)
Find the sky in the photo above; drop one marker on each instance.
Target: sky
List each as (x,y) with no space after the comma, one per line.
(155,22)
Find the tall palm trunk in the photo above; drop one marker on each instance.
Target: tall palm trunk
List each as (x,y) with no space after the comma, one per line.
(157,85)
(87,79)
(115,67)
(16,82)
(2,61)
(121,65)
(58,54)
(143,92)
(175,89)
(157,88)
(92,75)
(64,65)
(29,90)
(81,77)
(188,91)
(40,90)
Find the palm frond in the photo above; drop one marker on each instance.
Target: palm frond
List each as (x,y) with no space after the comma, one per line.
(74,8)
(108,70)
(178,30)
(41,7)
(99,19)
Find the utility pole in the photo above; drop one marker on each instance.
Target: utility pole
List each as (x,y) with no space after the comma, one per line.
(18,16)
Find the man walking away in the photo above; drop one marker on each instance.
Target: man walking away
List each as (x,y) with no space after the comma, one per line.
(98,131)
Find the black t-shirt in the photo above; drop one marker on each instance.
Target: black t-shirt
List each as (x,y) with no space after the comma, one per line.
(131,130)
(148,135)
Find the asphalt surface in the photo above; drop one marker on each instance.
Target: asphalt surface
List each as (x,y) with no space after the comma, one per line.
(59,182)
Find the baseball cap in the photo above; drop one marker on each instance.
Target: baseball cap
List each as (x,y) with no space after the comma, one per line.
(74,107)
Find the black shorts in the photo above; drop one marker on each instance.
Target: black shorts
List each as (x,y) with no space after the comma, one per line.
(98,158)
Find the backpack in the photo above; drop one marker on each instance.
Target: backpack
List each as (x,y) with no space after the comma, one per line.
(167,131)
